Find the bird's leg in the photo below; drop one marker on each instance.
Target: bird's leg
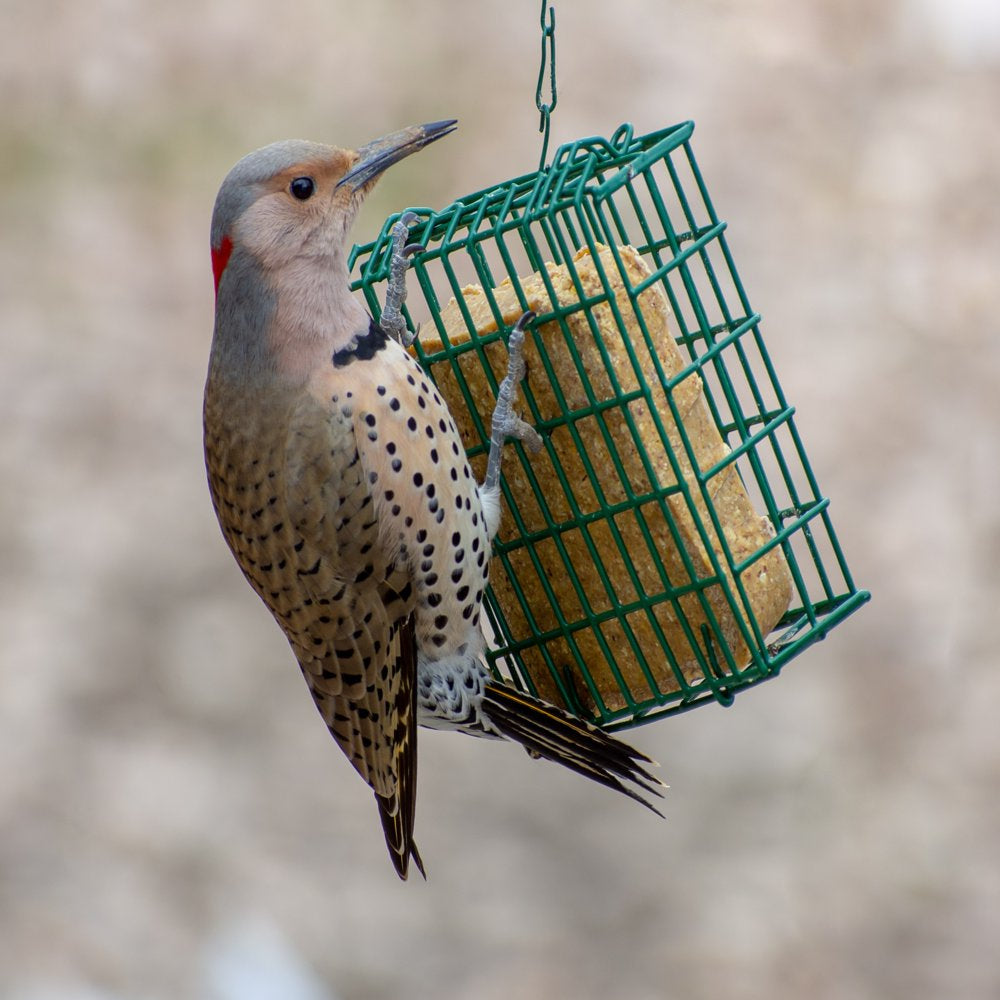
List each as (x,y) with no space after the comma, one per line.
(505,423)
(395,294)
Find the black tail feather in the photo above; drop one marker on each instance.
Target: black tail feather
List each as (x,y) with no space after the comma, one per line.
(550,732)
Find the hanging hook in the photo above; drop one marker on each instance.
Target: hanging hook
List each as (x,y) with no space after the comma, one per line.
(545,108)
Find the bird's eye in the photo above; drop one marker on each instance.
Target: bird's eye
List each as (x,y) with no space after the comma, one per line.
(302,188)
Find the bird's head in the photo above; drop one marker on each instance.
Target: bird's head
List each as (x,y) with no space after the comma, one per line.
(293,203)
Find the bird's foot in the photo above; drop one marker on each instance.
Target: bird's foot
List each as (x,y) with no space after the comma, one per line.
(395,295)
(505,423)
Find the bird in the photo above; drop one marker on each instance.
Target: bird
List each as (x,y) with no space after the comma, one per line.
(342,488)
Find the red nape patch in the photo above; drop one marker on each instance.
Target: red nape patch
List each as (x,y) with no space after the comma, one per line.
(220,258)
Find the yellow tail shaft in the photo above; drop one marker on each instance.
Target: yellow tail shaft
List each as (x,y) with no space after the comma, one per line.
(547,731)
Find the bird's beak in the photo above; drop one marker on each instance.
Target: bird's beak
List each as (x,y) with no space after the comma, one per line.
(380,154)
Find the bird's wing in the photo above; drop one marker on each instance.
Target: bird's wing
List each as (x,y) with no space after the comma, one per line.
(350,630)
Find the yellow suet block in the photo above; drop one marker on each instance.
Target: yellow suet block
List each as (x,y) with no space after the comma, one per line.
(630,429)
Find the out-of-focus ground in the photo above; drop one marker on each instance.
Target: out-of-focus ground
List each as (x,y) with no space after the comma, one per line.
(174,819)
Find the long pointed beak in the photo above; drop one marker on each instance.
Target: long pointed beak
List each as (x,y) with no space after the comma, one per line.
(380,154)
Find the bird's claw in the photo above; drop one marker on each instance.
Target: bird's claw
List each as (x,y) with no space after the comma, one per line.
(409,337)
(505,423)
(392,320)
(522,431)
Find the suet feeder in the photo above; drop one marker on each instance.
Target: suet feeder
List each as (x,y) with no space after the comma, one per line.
(670,544)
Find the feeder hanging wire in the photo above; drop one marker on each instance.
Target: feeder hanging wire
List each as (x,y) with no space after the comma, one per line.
(545,108)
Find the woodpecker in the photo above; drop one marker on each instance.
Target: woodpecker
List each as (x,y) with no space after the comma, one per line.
(342,488)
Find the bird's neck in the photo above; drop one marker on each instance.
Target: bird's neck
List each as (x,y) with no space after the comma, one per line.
(315,315)
(281,327)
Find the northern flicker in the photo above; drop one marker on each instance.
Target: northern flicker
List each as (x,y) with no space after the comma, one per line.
(343,490)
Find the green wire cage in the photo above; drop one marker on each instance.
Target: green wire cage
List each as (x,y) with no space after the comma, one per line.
(670,544)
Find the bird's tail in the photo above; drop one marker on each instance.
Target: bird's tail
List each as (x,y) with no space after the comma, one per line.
(547,731)
(398,829)
(398,809)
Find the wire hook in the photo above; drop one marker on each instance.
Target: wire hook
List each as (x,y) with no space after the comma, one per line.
(545,108)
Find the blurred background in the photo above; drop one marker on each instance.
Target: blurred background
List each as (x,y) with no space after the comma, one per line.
(174,819)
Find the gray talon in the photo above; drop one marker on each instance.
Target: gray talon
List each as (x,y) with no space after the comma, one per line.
(410,336)
(527,435)
(506,424)
(392,320)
